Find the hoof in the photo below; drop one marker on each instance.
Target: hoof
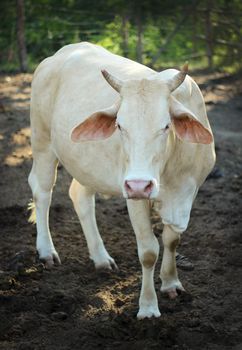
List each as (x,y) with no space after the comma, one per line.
(173,290)
(50,260)
(172,294)
(148,312)
(109,265)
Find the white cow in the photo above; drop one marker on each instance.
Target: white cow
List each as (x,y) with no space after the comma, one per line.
(119,127)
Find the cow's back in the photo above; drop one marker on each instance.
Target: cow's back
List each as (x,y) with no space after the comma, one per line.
(73,76)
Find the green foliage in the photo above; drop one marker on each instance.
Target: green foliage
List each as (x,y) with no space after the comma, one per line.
(111,38)
(51,24)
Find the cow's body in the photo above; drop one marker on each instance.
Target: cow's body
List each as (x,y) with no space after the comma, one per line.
(67,88)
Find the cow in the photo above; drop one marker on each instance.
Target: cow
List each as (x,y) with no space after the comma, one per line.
(119,128)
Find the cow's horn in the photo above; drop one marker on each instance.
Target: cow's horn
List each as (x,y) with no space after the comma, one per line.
(178,78)
(114,82)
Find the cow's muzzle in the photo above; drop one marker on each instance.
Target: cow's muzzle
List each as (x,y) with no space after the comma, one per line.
(138,189)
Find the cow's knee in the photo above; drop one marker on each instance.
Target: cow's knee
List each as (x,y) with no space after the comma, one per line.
(148,253)
(149,259)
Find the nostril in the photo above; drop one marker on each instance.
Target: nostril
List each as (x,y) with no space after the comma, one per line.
(149,187)
(127,186)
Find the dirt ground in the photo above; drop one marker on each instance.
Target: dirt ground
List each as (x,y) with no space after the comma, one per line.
(73,306)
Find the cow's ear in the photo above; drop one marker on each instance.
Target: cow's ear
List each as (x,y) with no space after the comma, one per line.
(99,126)
(187,127)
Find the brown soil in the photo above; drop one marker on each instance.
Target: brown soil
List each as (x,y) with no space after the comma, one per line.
(73,306)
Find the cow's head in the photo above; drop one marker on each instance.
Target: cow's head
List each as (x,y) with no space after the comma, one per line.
(147,117)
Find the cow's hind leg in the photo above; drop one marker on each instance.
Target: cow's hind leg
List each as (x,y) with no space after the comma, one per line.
(41,180)
(148,250)
(84,203)
(168,274)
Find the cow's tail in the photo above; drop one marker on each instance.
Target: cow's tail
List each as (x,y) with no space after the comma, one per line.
(32,209)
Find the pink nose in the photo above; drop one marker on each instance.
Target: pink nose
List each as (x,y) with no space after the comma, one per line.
(138,188)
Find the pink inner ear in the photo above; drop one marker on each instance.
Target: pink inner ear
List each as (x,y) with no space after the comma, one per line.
(98,127)
(191,130)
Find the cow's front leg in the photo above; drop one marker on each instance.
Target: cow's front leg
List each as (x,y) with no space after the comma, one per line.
(148,250)
(84,203)
(168,274)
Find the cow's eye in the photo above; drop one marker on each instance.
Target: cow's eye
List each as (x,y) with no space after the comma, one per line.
(167,127)
(123,132)
(119,127)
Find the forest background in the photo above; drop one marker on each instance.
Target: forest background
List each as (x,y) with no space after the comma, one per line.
(158,33)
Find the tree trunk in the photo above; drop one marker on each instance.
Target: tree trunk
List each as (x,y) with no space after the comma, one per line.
(125,35)
(208,33)
(139,47)
(22,52)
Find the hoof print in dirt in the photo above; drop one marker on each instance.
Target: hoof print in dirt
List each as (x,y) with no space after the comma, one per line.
(23,264)
(59,316)
(21,259)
